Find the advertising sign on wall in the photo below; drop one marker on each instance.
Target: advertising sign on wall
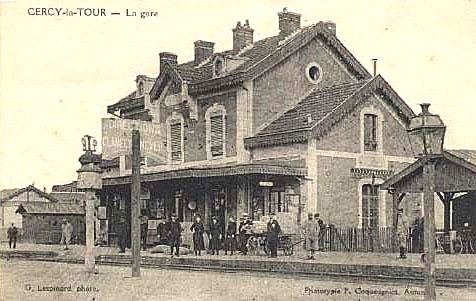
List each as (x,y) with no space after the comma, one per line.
(117,137)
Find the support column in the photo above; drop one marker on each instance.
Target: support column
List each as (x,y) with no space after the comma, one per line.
(311,183)
(396,200)
(429,225)
(135,204)
(89,259)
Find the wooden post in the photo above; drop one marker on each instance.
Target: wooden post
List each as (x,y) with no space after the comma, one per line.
(429,225)
(135,204)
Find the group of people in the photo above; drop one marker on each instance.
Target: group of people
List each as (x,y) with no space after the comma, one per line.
(312,233)
(231,239)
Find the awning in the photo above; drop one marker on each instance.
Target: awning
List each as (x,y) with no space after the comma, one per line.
(455,171)
(216,171)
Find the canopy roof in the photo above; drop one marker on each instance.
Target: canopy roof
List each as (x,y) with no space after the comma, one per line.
(455,171)
(216,171)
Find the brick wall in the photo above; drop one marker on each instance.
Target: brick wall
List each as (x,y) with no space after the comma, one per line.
(285,84)
(345,135)
(195,137)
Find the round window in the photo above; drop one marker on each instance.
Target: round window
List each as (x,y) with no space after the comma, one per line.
(313,73)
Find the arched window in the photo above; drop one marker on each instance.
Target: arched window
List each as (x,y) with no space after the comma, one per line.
(216,131)
(370,206)
(175,131)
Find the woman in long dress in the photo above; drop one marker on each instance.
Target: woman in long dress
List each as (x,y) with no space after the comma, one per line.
(198,230)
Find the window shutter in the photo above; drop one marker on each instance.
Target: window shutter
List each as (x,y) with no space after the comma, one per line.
(370,132)
(216,136)
(176,141)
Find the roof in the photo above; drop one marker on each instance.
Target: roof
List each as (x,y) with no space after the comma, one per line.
(465,154)
(69,197)
(5,193)
(50,208)
(30,188)
(215,171)
(317,105)
(322,108)
(465,159)
(257,58)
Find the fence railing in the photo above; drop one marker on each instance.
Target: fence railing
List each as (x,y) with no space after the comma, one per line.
(356,239)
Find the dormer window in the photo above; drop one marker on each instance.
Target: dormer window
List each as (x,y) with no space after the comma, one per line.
(140,89)
(218,66)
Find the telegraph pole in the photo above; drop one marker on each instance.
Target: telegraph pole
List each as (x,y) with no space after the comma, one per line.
(135,204)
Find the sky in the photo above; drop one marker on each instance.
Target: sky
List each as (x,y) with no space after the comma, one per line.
(59,73)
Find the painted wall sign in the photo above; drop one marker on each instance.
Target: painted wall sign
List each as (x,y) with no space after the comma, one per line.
(117,136)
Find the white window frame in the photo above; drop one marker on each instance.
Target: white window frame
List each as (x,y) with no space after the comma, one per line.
(174,119)
(213,111)
(308,67)
(380,120)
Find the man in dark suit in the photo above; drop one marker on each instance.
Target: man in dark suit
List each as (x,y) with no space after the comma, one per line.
(12,234)
(215,235)
(230,239)
(273,236)
(175,233)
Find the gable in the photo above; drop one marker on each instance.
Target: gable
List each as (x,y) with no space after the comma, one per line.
(301,122)
(281,87)
(347,135)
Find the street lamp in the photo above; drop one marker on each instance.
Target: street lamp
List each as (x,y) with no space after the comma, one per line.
(90,181)
(427,133)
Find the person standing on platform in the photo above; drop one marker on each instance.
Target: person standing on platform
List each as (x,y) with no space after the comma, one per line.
(121,233)
(12,234)
(402,231)
(319,224)
(143,231)
(175,234)
(245,230)
(230,239)
(311,232)
(273,236)
(66,233)
(198,229)
(215,236)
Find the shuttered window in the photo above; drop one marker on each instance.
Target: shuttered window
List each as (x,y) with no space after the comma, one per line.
(176,141)
(216,136)
(370,132)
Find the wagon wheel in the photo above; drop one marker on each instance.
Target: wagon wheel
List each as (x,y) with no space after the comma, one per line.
(266,247)
(289,250)
(252,244)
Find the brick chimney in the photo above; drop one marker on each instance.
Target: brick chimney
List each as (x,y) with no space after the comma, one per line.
(331,27)
(168,57)
(288,22)
(203,50)
(242,35)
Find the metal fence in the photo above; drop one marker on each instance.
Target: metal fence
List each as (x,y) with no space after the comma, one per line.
(349,239)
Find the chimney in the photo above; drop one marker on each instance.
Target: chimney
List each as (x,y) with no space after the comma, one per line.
(168,57)
(331,27)
(203,50)
(242,35)
(288,22)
